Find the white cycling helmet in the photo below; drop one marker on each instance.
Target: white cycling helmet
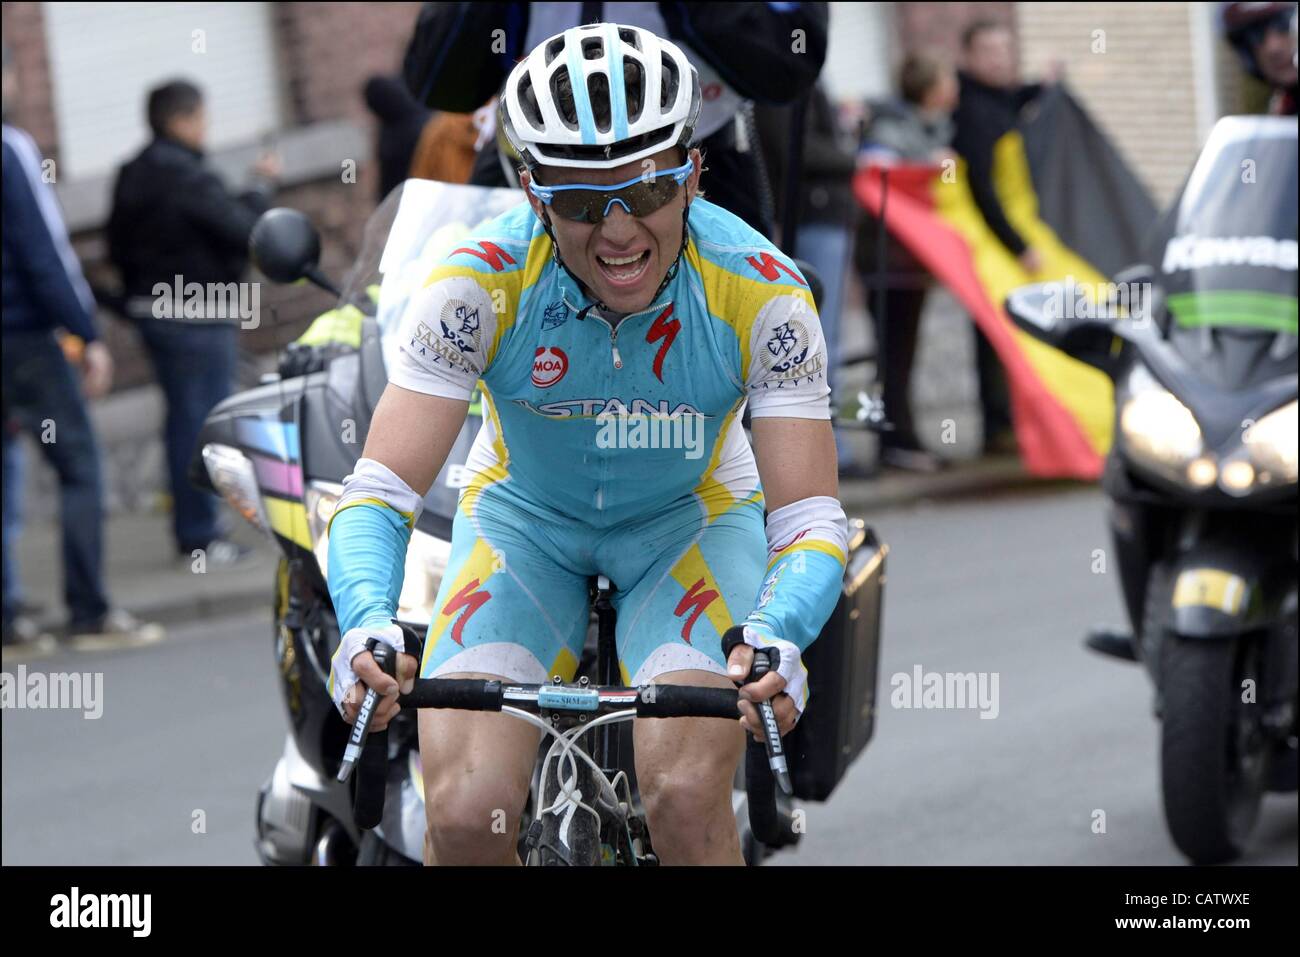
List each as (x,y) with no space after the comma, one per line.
(599,96)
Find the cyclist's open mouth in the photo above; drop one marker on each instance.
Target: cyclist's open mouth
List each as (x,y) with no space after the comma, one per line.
(625,271)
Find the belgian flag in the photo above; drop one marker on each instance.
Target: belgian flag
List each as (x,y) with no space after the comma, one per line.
(1068,193)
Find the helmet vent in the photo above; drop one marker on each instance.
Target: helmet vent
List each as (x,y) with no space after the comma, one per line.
(669,81)
(554,49)
(598,91)
(634,84)
(593,48)
(562,94)
(528,102)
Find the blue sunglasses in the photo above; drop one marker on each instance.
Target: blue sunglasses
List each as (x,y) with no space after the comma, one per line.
(590,203)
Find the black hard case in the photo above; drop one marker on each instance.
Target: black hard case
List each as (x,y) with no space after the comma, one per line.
(842,668)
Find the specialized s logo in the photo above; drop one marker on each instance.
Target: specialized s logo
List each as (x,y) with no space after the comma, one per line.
(468,599)
(698,599)
(549,366)
(665,329)
(492,254)
(767,265)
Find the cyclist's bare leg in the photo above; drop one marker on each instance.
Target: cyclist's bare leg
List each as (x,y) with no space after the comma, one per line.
(477,769)
(684,769)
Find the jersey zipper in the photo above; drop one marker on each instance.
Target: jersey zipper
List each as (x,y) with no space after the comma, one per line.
(613,332)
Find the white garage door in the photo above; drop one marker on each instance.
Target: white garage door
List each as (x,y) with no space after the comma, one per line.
(104,57)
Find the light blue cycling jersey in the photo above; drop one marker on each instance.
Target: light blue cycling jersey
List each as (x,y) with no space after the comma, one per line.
(737,322)
(607,448)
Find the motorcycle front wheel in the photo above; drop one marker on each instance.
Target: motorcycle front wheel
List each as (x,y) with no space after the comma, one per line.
(1213,752)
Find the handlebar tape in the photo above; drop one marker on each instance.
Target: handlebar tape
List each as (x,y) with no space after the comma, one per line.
(466,694)
(671,701)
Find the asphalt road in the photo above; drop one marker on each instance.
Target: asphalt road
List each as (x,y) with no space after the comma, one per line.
(1003,586)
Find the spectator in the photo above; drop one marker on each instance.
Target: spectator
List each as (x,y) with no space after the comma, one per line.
(43,289)
(989,104)
(461,54)
(913,128)
(173,224)
(446,151)
(1263,35)
(19,616)
(826,213)
(401,122)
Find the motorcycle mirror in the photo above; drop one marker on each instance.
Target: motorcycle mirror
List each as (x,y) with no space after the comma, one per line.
(1064,318)
(285,246)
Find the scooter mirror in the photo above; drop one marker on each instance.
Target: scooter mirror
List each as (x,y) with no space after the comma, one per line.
(286,247)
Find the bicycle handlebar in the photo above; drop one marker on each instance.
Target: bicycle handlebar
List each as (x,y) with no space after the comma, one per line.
(650,701)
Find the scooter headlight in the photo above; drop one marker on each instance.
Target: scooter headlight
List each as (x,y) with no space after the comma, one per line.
(233,476)
(1160,433)
(1271,445)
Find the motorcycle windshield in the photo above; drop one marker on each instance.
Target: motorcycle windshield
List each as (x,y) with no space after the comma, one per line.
(417,224)
(1226,250)
(424,221)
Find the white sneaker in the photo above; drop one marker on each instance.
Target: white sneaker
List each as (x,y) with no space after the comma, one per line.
(117,629)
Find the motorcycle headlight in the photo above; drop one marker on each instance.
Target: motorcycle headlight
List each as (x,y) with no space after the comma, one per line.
(426,556)
(1271,445)
(1160,432)
(233,476)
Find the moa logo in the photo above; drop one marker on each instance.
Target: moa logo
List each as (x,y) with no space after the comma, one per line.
(549,366)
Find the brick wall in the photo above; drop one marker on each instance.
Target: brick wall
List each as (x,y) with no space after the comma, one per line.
(328,49)
(24,33)
(1140,90)
(937,27)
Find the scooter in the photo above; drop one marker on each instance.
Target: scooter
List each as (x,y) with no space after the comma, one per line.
(279,453)
(1202,475)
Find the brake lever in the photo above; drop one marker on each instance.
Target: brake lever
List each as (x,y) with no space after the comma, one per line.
(387,661)
(765,660)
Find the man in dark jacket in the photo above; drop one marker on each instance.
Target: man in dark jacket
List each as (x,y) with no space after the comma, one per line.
(44,292)
(988,107)
(174,224)
(461,53)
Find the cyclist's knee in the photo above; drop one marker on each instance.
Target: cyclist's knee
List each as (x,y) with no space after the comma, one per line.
(675,792)
(472,821)
(477,770)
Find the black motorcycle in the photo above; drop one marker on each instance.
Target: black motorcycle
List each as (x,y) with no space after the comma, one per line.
(279,453)
(1202,476)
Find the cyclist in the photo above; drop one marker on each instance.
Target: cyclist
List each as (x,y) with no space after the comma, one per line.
(619,323)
